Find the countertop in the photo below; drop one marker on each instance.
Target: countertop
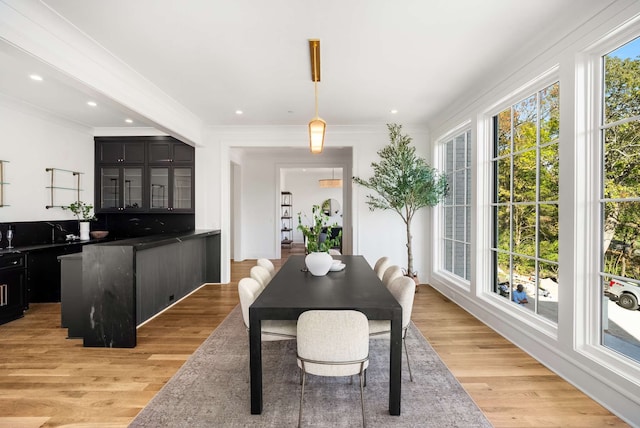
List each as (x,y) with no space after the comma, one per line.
(146,242)
(39,247)
(139,243)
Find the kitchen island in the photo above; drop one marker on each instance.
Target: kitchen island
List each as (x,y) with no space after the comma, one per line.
(127,282)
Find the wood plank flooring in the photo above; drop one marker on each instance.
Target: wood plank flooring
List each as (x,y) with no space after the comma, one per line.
(47,380)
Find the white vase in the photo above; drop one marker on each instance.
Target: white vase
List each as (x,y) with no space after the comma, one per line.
(84,231)
(318,263)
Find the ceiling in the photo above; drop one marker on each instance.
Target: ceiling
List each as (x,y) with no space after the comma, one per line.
(215,57)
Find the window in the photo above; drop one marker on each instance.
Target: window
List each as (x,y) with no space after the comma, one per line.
(620,199)
(457,206)
(525,201)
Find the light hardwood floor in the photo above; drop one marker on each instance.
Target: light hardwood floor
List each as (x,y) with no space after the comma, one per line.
(47,380)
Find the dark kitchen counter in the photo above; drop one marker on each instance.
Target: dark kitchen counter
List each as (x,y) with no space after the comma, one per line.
(147,242)
(40,247)
(128,281)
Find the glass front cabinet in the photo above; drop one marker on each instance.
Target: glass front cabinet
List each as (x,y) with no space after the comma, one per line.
(161,180)
(171,188)
(121,188)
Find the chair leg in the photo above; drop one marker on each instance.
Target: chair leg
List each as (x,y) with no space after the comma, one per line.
(362,397)
(407,354)
(304,378)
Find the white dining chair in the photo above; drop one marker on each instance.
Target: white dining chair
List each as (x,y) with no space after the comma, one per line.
(391,274)
(260,274)
(381,266)
(267,264)
(248,290)
(334,252)
(403,289)
(333,343)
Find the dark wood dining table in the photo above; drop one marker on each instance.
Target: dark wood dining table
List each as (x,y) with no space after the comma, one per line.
(293,291)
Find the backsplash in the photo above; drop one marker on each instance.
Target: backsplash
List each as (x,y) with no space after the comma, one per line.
(120,226)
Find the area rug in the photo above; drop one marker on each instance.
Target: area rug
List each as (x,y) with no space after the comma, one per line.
(212,389)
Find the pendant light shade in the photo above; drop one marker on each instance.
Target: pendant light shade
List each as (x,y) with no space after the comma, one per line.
(317,126)
(332,182)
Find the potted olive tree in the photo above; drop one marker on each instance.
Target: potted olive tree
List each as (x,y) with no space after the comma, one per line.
(318,241)
(404,183)
(83,213)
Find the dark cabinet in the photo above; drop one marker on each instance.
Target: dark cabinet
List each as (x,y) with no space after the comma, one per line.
(43,272)
(120,188)
(12,287)
(114,151)
(170,152)
(171,188)
(162,180)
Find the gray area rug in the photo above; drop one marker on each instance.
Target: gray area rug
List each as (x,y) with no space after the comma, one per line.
(212,389)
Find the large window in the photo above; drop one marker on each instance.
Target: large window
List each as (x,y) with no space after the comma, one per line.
(620,199)
(525,202)
(456,210)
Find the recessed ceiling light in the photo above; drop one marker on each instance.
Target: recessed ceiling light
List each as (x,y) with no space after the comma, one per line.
(128,120)
(92,103)
(239,112)
(36,77)
(394,111)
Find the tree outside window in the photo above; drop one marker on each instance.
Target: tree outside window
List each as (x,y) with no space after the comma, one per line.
(525,200)
(620,199)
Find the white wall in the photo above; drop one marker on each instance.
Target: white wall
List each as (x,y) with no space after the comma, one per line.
(33,141)
(375,234)
(571,348)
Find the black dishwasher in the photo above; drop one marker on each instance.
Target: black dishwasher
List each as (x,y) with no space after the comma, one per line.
(12,286)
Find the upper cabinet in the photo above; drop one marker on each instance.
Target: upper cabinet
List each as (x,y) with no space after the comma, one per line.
(110,150)
(170,152)
(144,174)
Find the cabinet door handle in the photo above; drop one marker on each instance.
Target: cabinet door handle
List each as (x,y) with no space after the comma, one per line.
(3,295)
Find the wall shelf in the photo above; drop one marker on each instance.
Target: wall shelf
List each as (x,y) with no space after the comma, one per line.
(53,187)
(286,217)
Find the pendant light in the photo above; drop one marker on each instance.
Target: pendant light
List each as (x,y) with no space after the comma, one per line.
(317,126)
(330,182)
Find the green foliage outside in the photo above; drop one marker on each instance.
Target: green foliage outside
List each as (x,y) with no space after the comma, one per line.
(516,210)
(403,182)
(528,181)
(622,167)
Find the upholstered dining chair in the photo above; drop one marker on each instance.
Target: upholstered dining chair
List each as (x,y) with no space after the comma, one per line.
(260,274)
(267,264)
(333,343)
(390,274)
(403,289)
(381,266)
(248,290)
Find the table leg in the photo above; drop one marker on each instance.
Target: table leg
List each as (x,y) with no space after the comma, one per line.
(395,369)
(255,362)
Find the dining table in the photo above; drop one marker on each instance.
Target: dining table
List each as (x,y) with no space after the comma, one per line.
(293,290)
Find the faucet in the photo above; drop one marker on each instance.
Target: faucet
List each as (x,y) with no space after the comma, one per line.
(53,230)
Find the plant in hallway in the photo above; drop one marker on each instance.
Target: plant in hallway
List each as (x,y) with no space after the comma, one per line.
(317,230)
(404,183)
(318,241)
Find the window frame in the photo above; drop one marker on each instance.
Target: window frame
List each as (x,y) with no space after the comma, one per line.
(484,204)
(588,155)
(462,130)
